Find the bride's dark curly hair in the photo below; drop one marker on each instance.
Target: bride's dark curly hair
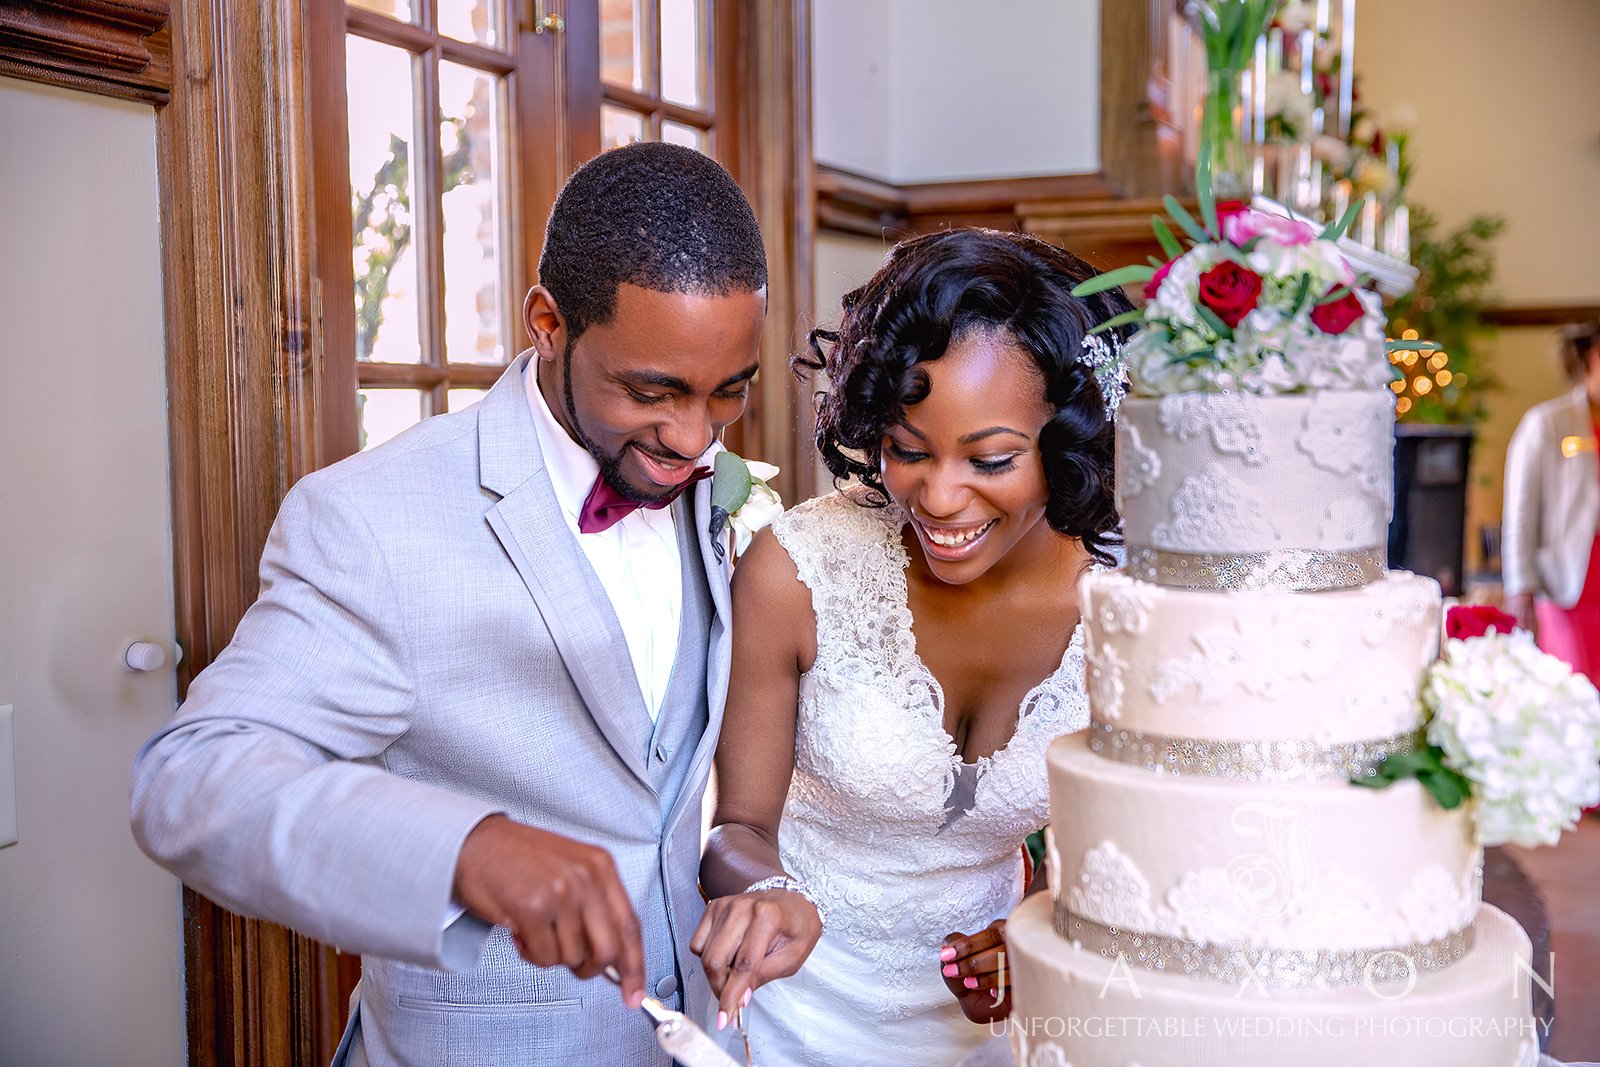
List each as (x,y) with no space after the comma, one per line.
(933,290)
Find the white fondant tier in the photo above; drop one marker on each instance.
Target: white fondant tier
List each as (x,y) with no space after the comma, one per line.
(1328,667)
(1315,866)
(1233,473)
(1066,1012)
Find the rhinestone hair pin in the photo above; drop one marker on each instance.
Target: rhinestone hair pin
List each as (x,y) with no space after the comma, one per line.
(1104,358)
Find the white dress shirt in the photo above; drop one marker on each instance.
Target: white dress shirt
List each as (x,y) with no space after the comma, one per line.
(637,560)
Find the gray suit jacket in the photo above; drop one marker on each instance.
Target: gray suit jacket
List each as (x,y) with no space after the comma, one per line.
(431,646)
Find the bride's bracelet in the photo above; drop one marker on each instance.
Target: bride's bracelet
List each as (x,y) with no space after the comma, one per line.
(793,885)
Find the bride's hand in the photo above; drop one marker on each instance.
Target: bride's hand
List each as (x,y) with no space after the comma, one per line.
(971,969)
(749,939)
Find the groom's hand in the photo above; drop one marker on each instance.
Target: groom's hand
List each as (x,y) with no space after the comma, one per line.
(749,939)
(561,899)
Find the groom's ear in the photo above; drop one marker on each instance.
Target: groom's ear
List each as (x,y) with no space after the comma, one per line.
(547,328)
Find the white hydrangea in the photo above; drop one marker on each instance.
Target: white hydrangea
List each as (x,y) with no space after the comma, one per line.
(1523,728)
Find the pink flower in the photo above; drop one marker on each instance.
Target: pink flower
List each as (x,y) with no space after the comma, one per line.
(1242,227)
(1151,286)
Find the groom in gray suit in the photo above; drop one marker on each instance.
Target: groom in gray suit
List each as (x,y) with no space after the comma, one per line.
(466,728)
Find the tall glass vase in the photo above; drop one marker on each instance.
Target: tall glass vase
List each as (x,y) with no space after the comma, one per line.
(1224,137)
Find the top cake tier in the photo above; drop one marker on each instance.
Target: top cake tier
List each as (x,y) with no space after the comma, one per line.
(1234,491)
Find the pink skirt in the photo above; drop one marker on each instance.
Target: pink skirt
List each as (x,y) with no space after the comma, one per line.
(1573,634)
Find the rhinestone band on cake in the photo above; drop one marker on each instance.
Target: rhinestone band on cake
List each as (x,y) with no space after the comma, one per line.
(1289,569)
(1246,761)
(1238,963)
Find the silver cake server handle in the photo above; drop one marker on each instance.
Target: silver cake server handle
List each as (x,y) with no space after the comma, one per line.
(677,1034)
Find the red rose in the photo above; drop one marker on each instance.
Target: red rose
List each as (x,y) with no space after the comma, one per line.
(1154,283)
(1337,316)
(1476,621)
(1230,290)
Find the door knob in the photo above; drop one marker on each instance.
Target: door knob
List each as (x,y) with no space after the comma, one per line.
(144,656)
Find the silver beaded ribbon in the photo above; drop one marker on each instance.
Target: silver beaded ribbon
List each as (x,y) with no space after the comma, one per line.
(1287,569)
(1247,761)
(1235,963)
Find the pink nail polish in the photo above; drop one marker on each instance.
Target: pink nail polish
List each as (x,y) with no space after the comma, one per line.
(722,1020)
(971,983)
(744,1001)
(948,953)
(951,970)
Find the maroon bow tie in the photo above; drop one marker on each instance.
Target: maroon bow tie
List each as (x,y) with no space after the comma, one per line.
(604,507)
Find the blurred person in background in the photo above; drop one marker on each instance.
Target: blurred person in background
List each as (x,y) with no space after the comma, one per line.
(1552,506)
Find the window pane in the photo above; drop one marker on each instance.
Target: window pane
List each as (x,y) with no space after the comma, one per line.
(622,43)
(460,399)
(383,413)
(682,57)
(400,9)
(470,143)
(469,20)
(688,136)
(381,92)
(619,127)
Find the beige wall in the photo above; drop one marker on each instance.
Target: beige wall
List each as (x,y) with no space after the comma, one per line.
(91,967)
(839,265)
(1507,122)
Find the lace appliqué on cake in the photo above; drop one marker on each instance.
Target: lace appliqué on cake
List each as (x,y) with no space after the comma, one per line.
(1138,467)
(1125,609)
(1228,417)
(1048,1054)
(1104,678)
(1212,511)
(1277,894)
(1408,611)
(1346,432)
(1260,655)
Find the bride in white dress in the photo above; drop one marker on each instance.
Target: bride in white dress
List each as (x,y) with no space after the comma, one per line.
(904,651)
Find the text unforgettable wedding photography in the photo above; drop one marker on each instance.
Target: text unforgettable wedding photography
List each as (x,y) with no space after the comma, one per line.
(800,533)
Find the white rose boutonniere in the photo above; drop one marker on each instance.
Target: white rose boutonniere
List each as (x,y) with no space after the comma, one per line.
(741,500)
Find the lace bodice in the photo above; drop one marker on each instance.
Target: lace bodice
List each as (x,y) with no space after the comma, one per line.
(869,821)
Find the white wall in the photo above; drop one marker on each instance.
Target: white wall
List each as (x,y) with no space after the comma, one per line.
(940,90)
(91,962)
(1507,105)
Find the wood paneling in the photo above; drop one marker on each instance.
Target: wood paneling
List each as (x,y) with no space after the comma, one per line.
(120,48)
(852,203)
(776,171)
(242,399)
(1541,314)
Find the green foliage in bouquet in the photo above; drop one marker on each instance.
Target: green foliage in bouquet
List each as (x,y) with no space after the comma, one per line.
(1457,271)
(1427,766)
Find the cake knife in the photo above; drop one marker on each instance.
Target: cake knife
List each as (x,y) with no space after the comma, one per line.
(678,1035)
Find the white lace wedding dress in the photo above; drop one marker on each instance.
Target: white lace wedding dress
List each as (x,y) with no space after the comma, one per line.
(905,843)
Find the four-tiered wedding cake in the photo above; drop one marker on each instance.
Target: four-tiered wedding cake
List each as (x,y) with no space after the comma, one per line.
(1220,892)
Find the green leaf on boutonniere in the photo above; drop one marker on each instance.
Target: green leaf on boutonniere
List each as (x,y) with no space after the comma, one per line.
(1427,766)
(730,488)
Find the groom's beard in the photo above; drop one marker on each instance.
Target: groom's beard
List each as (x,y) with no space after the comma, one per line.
(610,465)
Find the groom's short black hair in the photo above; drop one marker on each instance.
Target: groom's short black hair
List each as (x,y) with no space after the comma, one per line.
(656,215)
